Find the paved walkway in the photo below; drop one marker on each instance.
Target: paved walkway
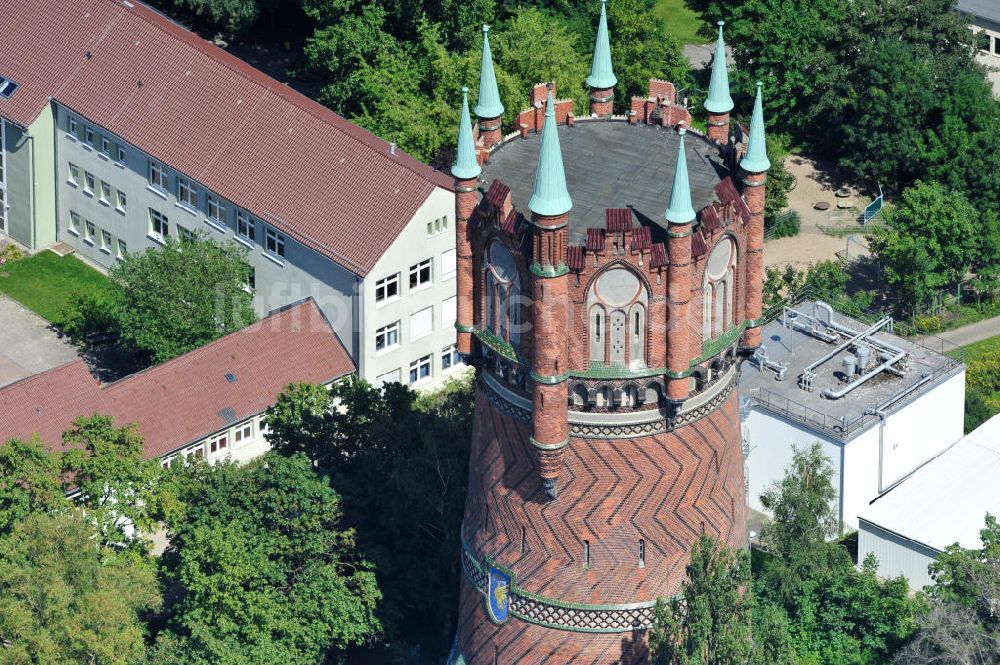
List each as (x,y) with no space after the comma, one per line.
(27,344)
(974,332)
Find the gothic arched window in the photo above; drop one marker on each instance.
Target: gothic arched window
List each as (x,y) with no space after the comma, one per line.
(617,303)
(717,290)
(503,294)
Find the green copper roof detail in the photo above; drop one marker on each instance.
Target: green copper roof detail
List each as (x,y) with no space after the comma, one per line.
(488,105)
(680,210)
(466,166)
(719,100)
(602,75)
(550,197)
(756,161)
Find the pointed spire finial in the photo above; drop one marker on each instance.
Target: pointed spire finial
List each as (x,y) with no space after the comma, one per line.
(488,104)
(550,198)
(602,74)
(680,210)
(756,161)
(719,100)
(466,165)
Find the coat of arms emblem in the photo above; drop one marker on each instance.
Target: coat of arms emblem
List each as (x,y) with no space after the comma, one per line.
(498,595)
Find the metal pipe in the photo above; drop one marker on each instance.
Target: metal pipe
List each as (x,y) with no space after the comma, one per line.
(880,412)
(829,393)
(878,326)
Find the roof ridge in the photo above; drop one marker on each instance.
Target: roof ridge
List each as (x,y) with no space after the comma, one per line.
(247,71)
(51,370)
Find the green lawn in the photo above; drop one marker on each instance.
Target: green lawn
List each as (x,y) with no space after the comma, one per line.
(45,281)
(976,351)
(681,21)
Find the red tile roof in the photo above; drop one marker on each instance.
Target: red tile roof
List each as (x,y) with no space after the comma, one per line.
(658,255)
(188,398)
(698,246)
(322,180)
(642,239)
(576,257)
(595,240)
(618,219)
(710,218)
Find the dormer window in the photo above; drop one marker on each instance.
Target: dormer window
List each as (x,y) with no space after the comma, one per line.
(616,306)
(717,290)
(503,295)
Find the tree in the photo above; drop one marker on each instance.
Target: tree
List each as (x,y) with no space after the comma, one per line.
(29,482)
(64,599)
(927,243)
(263,570)
(178,297)
(962,625)
(709,623)
(401,463)
(119,489)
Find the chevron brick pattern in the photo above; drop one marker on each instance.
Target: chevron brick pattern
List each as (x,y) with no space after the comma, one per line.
(664,490)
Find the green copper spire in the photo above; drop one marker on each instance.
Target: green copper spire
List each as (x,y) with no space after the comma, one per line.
(680,210)
(466,166)
(550,197)
(756,161)
(601,73)
(489,105)
(719,100)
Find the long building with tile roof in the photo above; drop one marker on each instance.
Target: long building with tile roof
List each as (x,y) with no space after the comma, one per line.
(205,403)
(120,128)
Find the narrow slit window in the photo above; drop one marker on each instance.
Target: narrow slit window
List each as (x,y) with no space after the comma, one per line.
(642,553)
(586,555)
(524,540)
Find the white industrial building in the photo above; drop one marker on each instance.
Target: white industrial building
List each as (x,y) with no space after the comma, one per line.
(941,504)
(880,406)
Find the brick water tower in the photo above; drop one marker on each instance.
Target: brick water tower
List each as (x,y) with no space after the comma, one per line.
(609,284)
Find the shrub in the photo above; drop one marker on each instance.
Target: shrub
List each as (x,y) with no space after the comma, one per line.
(10,253)
(785,225)
(87,314)
(928,324)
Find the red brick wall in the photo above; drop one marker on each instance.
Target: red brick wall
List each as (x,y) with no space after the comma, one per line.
(465,203)
(754,197)
(665,489)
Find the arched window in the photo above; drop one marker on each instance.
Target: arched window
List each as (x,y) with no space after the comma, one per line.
(503,294)
(617,303)
(717,290)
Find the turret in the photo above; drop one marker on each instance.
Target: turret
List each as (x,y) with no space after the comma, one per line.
(489,109)
(679,215)
(719,102)
(550,204)
(466,171)
(755,165)
(602,78)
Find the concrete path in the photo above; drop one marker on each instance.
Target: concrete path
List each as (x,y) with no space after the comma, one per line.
(27,344)
(974,332)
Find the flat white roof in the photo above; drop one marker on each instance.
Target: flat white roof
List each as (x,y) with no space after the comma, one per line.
(946,501)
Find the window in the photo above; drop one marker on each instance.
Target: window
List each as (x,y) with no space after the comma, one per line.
(437,226)
(184,234)
(388,377)
(420,369)
(616,305)
(251,280)
(387,337)
(420,274)
(244,226)
(448,312)
(105,193)
(642,553)
(218,443)
(89,231)
(122,248)
(159,224)
(447,264)
(717,290)
(106,241)
(122,204)
(90,135)
(74,174)
(503,294)
(421,323)
(216,209)
(243,435)
(89,183)
(387,288)
(7,87)
(450,357)
(105,146)
(196,452)
(996,45)
(74,127)
(186,193)
(274,243)
(121,155)
(586,555)
(74,222)
(157,175)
